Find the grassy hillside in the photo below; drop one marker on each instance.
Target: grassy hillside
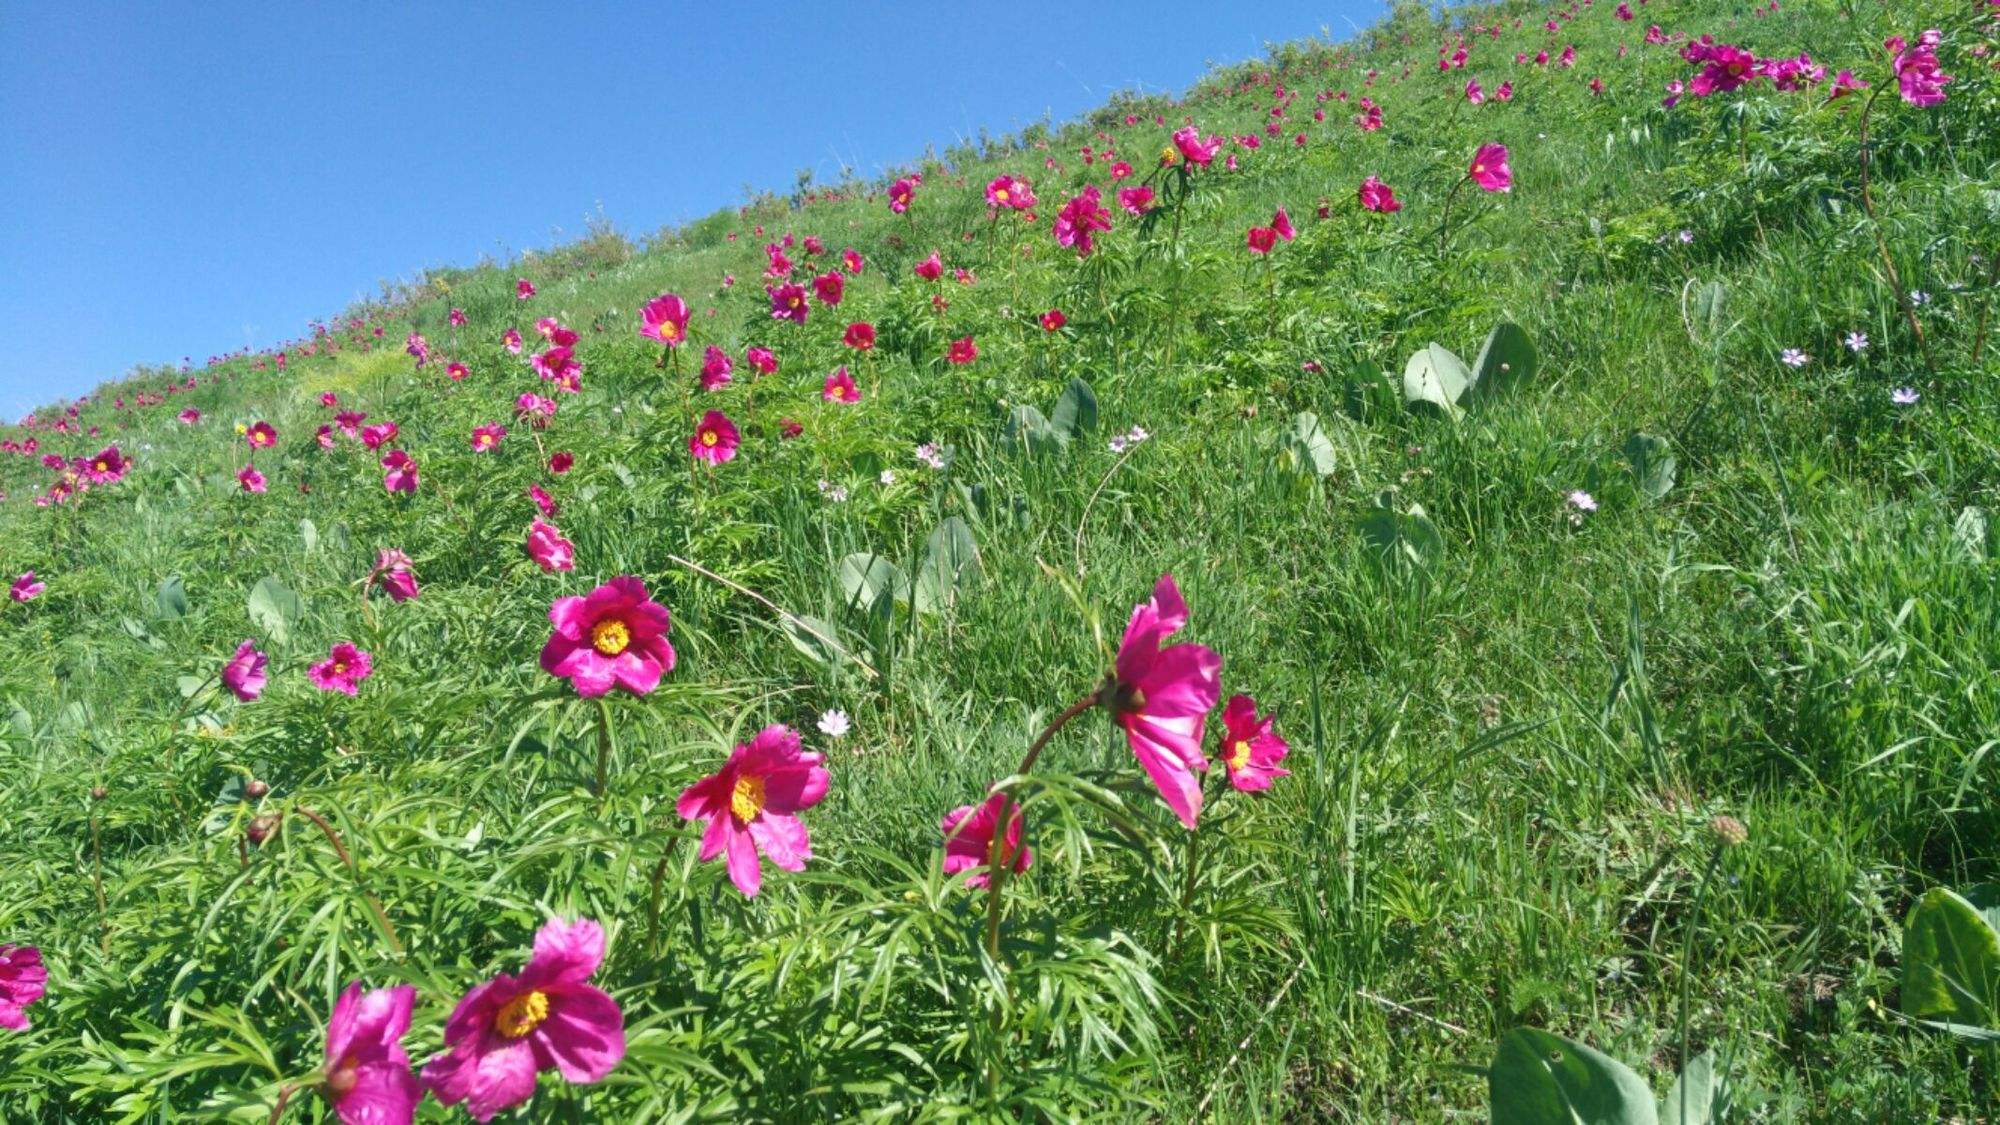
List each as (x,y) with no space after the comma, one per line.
(1688,549)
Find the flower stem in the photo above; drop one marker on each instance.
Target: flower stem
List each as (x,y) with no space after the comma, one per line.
(374,904)
(1687,945)
(1882,243)
(603,751)
(1444,228)
(284,1099)
(996,870)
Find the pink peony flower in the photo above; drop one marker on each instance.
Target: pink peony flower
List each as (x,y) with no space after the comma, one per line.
(715,368)
(506,1031)
(523,289)
(1193,148)
(486,438)
(1918,77)
(860,336)
(378,435)
(715,438)
(614,637)
(1250,750)
(829,287)
(962,351)
(1078,219)
(900,194)
(1136,200)
(761,360)
(394,570)
(261,436)
(968,839)
(1261,240)
(558,365)
(456,371)
(1378,197)
(931,268)
(1489,169)
(665,318)
(368,1079)
(851,262)
(511,340)
(1162,697)
(1281,225)
(343,669)
(840,387)
(1006,191)
(250,480)
(549,549)
(788,302)
(1053,320)
(545,503)
(751,806)
(457,318)
(23,981)
(399,472)
(189,416)
(108,467)
(244,674)
(25,588)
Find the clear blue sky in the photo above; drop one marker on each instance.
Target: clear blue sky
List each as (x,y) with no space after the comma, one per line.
(185,179)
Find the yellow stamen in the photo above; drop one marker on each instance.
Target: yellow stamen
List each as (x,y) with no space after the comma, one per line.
(610,636)
(1237,756)
(709,437)
(669,330)
(522,1014)
(1000,194)
(747,799)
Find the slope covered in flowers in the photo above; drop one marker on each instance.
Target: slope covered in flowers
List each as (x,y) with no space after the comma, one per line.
(584,681)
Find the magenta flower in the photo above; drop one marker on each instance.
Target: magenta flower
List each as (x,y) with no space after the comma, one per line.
(968,839)
(535,410)
(558,365)
(1197,151)
(840,387)
(1281,223)
(665,318)
(901,193)
(860,336)
(1918,77)
(931,268)
(1161,696)
(962,351)
(715,438)
(487,438)
(1006,191)
(189,416)
(549,549)
(1053,320)
(1261,239)
(456,371)
(418,347)
(850,260)
(25,588)
(244,674)
(394,570)
(1250,751)
(1078,219)
(829,287)
(399,472)
(511,340)
(1489,169)
(523,289)
(368,1079)
(542,499)
(261,436)
(715,368)
(378,435)
(761,360)
(23,981)
(560,461)
(1727,68)
(250,480)
(788,302)
(108,467)
(457,318)
(1136,200)
(343,669)
(751,806)
(506,1031)
(1379,197)
(614,637)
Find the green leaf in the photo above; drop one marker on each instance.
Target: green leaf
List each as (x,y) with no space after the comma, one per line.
(275,608)
(1706,310)
(1507,359)
(1436,376)
(1968,534)
(1699,1097)
(872,583)
(1653,464)
(1543,1079)
(171,599)
(950,559)
(1951,961)
(812,636)
(1307,448)
(309,535)
(1401,540)
(1076,410)
(1028,429)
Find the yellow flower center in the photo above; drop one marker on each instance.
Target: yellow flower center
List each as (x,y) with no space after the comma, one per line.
(1237,756)
(340,667)
(747,799)
(103,466)
(709,437)
(669,330)
(610,636)
(1000,194)
(1478,168)
(522,1014)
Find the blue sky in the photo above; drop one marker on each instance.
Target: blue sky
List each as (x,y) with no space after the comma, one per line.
(187,179)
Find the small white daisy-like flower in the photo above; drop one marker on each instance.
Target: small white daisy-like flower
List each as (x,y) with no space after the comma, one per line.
(1118,444)
(834,723)
(835,493)
(1793,357)
(1919,297)
(1904,396)
(1857,342)
(928,454)
(1686,237)
(1582,501)
(888,476)
(1136,435)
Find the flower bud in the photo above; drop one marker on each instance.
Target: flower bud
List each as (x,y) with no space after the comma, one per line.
(262,828)
(1728,830)
(255,789)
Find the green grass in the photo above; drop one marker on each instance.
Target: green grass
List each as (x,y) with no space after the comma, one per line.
(1505,754)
